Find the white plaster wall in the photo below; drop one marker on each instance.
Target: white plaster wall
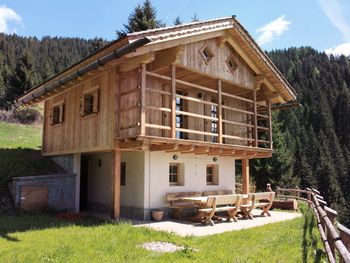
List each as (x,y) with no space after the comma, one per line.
(132,194)
(157,175)
(100,179)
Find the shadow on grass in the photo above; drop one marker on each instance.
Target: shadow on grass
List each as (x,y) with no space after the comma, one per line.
(310,241)
(10,224)
(24,162)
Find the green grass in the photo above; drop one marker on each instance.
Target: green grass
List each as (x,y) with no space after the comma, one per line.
(19,135)
(43,238)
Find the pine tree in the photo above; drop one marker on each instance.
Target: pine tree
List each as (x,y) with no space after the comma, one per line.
(24,76)
(96,44)
(177,21)
(142,18)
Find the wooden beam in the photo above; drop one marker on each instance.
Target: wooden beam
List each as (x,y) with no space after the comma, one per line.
(163,147)
(182,148)
(255,116)
(243,55)
(219,112)
(221,41)
(129,144)
(267,96)
(135,63)
(270,124)
(76,169)
(143,100)
(116,185)
(245,176)
(173,101)
(167,57)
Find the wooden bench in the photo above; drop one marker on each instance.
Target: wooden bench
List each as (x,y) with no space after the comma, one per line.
(263,200)
(227,203)
(217,192)
(177,204)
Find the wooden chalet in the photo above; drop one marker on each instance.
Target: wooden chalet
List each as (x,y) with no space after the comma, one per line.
(161,110)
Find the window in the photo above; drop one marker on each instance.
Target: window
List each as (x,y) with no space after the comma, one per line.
(211,174)
(123,173)
(89,103)
(174,173)
(206,53)
(56,116)
(231,63)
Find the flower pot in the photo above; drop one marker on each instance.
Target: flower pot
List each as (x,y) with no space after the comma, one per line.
(157,215)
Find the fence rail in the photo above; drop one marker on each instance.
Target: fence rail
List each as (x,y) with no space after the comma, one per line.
(335,237)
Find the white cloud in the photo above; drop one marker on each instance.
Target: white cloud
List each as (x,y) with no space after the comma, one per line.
(273,30)
(342,49)
(334,11)
(8,17)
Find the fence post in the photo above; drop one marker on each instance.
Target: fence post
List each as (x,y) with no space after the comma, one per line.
(332,215)
(344,235)
(277,191)
(268,187)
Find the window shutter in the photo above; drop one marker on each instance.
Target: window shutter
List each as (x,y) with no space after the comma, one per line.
(61,113)
(82,105)
(96,101)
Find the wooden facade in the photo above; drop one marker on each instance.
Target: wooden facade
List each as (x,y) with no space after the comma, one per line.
(141,102)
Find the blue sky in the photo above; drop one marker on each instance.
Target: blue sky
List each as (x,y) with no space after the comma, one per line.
(276,24)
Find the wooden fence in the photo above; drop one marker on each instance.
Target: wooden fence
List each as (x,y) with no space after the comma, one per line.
(335,237)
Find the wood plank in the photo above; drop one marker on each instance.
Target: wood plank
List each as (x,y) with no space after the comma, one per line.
(116,185)
(270,124)
(143,100)
(255,120)
(245,176)
(220,131)
(136,62)
(173,101)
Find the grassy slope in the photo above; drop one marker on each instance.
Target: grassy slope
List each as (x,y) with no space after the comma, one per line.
(19,135)
(20,154)
(42,238)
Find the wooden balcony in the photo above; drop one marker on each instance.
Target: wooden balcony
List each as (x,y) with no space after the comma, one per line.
(175,109)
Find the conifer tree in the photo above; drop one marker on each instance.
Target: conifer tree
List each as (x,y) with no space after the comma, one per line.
(142,18)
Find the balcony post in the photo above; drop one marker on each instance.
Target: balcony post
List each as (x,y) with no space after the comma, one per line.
(219,112)
(116,185)
(173,101)
(270,124)
(143,101)
(255,120)
(245,176)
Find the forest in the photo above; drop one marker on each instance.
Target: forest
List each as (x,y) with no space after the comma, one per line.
(311,142)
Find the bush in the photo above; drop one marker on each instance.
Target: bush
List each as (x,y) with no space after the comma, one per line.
(23,115)
(27,115)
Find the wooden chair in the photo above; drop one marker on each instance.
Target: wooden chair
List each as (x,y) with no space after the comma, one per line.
(263,200)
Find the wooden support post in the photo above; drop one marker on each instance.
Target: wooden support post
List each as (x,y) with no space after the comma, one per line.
(143,101)
(270,124)
(255,119)
(76,170)
(116,185)
(173,101)
(219,112)
(245,176)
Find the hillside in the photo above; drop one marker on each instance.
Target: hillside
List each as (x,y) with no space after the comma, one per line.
(312,142)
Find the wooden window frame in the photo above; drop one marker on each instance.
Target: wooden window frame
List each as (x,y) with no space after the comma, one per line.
(179,174)
(60,107)
(206,53)
(231,63)
(214,174)
(95,94)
